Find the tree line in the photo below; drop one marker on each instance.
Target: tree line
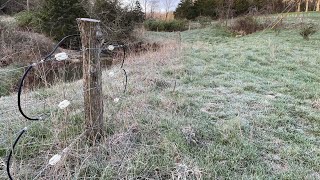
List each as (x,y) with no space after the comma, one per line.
(191,9)
(57,18)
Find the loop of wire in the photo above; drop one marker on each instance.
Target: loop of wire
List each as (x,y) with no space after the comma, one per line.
(11,151)
(46,58)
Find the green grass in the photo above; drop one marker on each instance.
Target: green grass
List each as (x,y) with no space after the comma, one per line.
(222,108)
(9,79)
(234,79)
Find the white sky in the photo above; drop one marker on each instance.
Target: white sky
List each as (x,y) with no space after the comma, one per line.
(161,4)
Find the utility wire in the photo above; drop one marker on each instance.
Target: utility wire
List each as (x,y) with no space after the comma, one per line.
(124,56)
(122,64)
(40,118)
(19,99)
(19,96)
(11,151)
(29,69)
(126,81)
(58,45)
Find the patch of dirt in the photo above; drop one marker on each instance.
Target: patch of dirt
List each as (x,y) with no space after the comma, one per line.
(276,163)
(279,167)
(142,47)
(184,171)
(316,104)
(190,135)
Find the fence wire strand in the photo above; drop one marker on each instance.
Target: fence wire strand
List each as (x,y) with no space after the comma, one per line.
(41,102)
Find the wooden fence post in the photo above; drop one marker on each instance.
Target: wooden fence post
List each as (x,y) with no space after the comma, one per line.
(92,82)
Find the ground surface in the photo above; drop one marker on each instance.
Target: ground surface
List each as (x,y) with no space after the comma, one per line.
(211,107)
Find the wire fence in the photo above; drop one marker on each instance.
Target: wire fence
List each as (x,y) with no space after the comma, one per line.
(43,105)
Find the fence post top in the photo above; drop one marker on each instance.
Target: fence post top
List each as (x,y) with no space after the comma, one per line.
(88,20)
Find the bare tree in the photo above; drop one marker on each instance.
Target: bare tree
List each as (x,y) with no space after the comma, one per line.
(3,5)
(299,6)
(318,5)
(154,4)
(167,5)
(229,12)
(307,5)
(145,6)
(290,2)
(28,5)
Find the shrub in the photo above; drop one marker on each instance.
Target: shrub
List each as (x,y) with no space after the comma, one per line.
(27,19)
(204,21)
(11,7)
(15,6)
(21,47)
(161,25)
(18,48)
(307,31)
(246,25)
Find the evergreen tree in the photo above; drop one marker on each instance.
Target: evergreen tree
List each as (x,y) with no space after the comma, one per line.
(186,9)
(241,6)
(206,8)
(58,17)
(137,13)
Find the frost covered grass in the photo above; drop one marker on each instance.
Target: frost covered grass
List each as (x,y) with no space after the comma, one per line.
(258,91)
(218,107)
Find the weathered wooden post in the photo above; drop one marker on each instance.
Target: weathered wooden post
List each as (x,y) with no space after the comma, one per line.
(28,6)
(92,83)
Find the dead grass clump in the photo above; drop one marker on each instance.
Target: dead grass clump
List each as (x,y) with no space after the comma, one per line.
(19,47)
(307,31)
(141,47)
(183,171)
(190,135)
(246,25)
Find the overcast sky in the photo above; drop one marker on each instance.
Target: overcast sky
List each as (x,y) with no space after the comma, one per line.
(161,4)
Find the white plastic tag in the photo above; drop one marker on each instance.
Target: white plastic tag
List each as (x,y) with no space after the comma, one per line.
(111,47)
(64,104)
(61,56)
(55,159)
